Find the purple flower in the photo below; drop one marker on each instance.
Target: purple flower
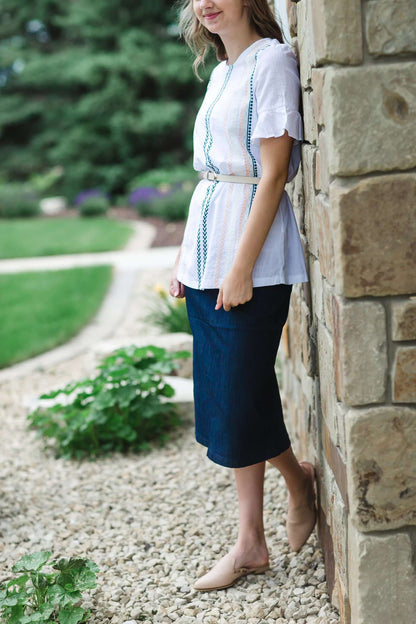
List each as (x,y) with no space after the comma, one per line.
(84,195)
(144,194)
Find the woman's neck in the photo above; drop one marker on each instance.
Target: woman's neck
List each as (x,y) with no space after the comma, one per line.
(234,45)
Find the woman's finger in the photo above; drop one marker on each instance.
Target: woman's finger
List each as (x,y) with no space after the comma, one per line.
(219,300)
(175,287)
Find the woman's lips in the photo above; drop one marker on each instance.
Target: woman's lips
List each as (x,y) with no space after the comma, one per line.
(212,15)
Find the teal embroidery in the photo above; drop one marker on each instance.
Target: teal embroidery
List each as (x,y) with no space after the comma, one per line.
(202,235)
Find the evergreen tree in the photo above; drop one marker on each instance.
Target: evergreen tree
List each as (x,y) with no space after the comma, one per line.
(99,87)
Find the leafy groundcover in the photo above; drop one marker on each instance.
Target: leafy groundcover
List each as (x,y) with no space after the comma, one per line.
(122,409)
(38,596)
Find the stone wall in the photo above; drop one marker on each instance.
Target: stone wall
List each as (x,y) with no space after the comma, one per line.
(349,348)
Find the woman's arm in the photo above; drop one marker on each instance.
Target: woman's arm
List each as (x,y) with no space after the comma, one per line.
(237,287)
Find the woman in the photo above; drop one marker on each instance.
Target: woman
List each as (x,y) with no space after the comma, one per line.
(240,255)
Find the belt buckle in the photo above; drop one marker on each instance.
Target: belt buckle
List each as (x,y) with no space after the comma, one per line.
(211,175)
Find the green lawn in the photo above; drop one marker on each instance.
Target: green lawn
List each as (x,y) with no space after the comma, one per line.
(22,238)
(41,310)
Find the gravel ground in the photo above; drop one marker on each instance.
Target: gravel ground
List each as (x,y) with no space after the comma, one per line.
(152,522)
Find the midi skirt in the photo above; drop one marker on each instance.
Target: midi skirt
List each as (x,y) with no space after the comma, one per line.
(238,411)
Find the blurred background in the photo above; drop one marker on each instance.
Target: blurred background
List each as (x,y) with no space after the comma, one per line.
(97,104)
(93,96)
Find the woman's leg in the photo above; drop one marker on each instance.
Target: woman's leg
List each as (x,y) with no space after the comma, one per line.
(296,478)
(250,549)
(302,513)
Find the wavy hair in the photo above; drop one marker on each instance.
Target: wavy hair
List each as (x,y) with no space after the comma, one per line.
(200,40)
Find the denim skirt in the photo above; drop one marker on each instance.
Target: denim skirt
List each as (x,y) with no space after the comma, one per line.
(238,412)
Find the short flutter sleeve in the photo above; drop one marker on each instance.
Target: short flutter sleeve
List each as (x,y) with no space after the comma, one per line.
(276,88)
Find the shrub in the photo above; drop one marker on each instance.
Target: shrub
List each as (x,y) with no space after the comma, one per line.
(171,206)
(120,409)
(18,200)
(169,313)
(84,196)
(94,207)
(143,195)
(164,177)
(38,596)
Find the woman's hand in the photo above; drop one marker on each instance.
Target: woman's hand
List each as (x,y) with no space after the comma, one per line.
(237,288)
(176,288)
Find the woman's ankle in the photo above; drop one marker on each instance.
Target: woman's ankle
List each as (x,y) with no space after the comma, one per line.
(301,493)
(249,553)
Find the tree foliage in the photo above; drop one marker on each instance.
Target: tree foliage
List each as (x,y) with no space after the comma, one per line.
(104,89)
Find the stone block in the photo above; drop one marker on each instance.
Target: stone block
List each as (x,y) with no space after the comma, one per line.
(292,18)
(316,290)
(404,375)
(325,540)
(381,467)
(308,168)
(298,201)
(322,177)
(325,484)
(309,123)
(318,81)
(308,350)
(340,412)
(403,319)
(326,378)
(360,351)
(343,600)
(390,26)
(324,228)
(294,323)
(305,41)
(337,31)
(328,293)
(370,118)
(374,226)
(336,463)
(339,530)
(381,578)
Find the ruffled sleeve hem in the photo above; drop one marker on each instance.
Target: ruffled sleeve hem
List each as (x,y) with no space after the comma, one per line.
(273,123)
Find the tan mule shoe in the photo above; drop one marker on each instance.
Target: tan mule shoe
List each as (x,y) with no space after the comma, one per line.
(301,520)
(224,574)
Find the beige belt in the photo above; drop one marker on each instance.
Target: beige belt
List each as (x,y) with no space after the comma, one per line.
(220,177)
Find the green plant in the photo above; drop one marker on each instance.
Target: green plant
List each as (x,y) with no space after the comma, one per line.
(163,177)
(120,409)
(18,200)
(173,206)
(168,313)
(94,206)
(44,181)
(38,596)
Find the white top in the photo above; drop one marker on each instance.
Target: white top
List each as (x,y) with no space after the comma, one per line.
(256,97)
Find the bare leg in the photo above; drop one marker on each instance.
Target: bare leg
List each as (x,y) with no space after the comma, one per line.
(296,478)
(301,515)
(250,549)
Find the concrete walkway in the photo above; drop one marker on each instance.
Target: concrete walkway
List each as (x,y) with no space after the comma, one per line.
(154,258)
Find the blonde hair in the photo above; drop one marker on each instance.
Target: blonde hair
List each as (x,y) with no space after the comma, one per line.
(200,40)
